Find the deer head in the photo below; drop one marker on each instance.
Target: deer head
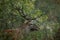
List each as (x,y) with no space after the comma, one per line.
(27,21)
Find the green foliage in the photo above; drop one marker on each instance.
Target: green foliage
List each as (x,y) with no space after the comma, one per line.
(37,35)
(40,9)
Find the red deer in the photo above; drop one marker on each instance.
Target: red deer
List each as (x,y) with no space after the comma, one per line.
(23,29)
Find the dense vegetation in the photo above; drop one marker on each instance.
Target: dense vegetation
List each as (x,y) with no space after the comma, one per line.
(45,14)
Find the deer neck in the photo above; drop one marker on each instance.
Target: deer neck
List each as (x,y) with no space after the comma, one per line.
(25,24)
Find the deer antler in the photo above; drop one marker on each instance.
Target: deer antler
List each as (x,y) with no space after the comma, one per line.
(20,10)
